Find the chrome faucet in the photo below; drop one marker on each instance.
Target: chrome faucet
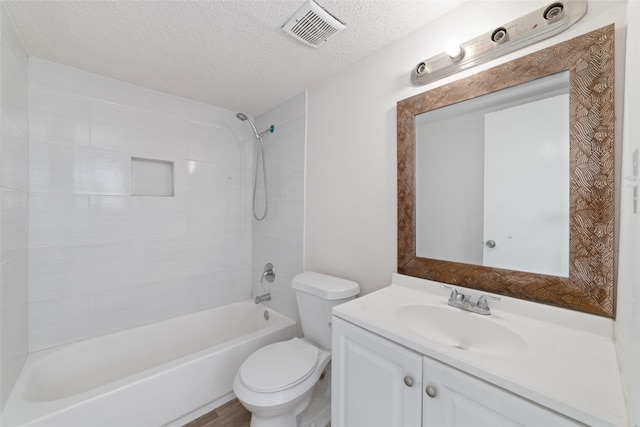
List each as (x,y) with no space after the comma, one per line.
(463,302)
(263,298)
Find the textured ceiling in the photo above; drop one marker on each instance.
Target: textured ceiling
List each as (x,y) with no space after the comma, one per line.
(232,54)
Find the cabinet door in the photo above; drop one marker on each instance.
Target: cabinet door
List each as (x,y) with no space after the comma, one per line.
(375,383)
(462,400)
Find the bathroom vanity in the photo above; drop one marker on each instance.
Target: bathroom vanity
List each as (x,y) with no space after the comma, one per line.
(403,357)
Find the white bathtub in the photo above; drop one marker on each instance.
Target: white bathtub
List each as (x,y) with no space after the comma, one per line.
(164,373)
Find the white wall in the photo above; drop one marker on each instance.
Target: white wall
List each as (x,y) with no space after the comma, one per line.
(628,307)
(278,238)
(100,259)
(14,186)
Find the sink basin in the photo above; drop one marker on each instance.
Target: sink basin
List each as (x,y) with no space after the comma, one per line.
(460,329)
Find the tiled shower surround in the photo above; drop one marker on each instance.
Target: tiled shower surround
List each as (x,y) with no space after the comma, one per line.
(101,259)
(14,187)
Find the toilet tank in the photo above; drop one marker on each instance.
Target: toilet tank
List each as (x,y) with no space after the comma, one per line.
(317,294)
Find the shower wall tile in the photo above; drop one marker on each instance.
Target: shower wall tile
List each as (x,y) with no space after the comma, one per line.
(238,254)
(58,117)
(63,270)
(110,260)
(207,255)
(14,341)
(14,277)
(14,48)
(14,98)
(125,307)
(77,82)
(211,217)
(15,163)
(58,219)
(291,110)
(224,180)
(13,252)
(221,206)
(229,145)
(206,290)
(53,321)
(168,258)
(14,206)
(135,217)
(139,132)
(79,170)
(14,227)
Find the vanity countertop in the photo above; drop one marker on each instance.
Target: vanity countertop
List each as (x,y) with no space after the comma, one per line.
(570,363)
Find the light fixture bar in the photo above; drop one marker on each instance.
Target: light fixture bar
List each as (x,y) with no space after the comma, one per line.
(539,25)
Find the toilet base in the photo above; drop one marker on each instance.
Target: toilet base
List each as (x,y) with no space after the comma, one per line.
(288,419)
(318,413)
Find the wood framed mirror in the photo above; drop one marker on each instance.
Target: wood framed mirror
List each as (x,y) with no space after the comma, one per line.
(589,284)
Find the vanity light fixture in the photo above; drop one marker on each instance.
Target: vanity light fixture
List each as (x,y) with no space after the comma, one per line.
(531,28)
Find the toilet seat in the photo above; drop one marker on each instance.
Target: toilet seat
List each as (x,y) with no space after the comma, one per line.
(279,366)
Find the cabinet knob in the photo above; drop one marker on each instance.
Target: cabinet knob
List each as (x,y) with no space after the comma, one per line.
(431,391)
(408,381)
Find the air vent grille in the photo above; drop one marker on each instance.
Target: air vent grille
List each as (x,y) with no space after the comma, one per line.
(312,25)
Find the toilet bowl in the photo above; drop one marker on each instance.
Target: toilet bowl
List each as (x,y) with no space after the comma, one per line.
(276,382)
(280,383)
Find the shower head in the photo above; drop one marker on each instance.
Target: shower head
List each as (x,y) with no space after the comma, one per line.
(245,118)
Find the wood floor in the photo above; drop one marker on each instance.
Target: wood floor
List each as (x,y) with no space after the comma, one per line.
(231,414)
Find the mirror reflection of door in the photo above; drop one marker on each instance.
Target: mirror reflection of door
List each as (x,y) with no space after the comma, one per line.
(495,169)
(526,187)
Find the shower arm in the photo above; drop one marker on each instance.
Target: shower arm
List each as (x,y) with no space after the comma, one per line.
(270,129)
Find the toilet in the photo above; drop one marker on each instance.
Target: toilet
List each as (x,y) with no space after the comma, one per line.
(287,384)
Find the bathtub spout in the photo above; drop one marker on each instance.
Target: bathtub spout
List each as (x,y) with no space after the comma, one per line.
(263,298)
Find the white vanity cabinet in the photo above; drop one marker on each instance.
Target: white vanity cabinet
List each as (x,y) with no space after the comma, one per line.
(375,382)
(455,399)
(378,383)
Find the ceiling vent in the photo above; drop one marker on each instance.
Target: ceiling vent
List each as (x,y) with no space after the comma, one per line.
(312,25)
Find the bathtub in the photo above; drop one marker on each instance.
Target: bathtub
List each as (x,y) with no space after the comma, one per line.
(162,374)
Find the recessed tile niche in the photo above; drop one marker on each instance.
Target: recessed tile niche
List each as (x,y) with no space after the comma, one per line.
(150,177)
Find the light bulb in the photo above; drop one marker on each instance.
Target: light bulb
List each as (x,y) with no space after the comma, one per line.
(453,49)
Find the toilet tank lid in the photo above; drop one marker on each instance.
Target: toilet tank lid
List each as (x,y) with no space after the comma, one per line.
(325,286)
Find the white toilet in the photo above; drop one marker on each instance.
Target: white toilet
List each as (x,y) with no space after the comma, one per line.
(287,384)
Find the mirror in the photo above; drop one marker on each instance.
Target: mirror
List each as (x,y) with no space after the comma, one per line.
(456,221)
(493,211)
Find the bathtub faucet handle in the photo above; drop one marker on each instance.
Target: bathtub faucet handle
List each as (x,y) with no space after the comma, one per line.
(269,273)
